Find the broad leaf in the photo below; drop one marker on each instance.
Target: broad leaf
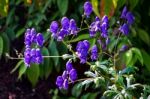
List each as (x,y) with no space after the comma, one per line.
(62,6)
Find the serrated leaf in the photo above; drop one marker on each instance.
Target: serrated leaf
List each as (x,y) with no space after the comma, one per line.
(62,6)
(138,54)
(33,74)
(22,70)
(1,46)
(17,66)
(79,38)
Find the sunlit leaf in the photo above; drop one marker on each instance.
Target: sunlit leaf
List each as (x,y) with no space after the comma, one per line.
(62,6)
(95,4)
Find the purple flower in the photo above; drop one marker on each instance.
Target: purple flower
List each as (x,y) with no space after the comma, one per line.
(39,57)
(82,50)
(94,53)
(59,81)
(124,29)
(124,48)
(39,39)
(130,18)
(107,41)
(54,27)
(127,15)
(124,12)
(65,23)
(62,33)
(64,75)
(94,27)
(87,8)
(104,28)
(73,75)
(27,57)
(73,27)
(69,66)
(65,84)
(105,20)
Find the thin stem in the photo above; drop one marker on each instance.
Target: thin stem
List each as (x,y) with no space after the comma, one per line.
(82,21)
(51,56)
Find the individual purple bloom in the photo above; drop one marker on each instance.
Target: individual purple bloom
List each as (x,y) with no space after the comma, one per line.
(107,41)
(104,31)
(39,39)
(54,27)
(65,23)
(73,27)
(39,57)
(33,35)
(130,18)
(64,75)
(65,84)
(88,8)
(102,44)
(82,50)
(124,48)
(27,57)
(105,20)
(59,81)
(73,75)
(124,29)
(124,12)
(69,66)
(33,55)
(62,33)
(97,19)
(94,53)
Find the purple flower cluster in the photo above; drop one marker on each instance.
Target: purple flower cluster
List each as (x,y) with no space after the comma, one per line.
(33,55)
(82,49)
(68,27)
(128,16)
(99,26)
(69,74)
(88,8)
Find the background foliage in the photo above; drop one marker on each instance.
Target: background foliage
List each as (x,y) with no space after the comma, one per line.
(17,15)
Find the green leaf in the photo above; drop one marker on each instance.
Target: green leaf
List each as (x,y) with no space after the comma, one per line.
(1,46)
(47,64)
(146,58)
(62,6)
(133,3)
(95,4)
(6,41)
(33,74)
(77,89)
(22,70)
(138,54)
(17,66)
(143,35)
(128,56)
(4,7)
(79,38)
(20,32)
(128,70)
(54,52)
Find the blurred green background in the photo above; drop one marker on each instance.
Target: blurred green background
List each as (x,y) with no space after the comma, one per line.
(39,81)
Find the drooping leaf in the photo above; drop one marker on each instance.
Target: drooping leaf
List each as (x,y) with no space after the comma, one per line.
(6,41)
(63,6)
(54,52)
(33,74)
(146,58)
(137,54)
(22,70)
(47,64)
(17,66)
(95,4)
